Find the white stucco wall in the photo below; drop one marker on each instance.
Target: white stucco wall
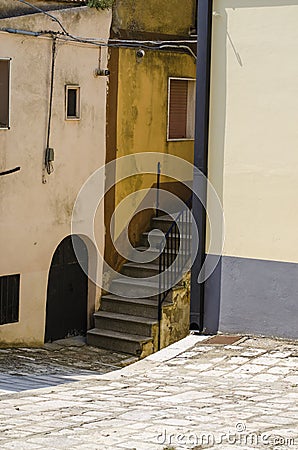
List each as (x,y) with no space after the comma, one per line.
(35,216)
(253,160)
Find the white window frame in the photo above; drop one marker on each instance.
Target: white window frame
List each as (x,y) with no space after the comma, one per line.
(77,88)
(9,92)
(190,124)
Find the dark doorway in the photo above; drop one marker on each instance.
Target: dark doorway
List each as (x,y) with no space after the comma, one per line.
(66,313)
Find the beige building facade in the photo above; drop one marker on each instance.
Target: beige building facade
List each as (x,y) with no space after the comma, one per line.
(36,206)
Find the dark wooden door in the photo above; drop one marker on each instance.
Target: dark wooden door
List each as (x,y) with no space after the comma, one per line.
(66,312)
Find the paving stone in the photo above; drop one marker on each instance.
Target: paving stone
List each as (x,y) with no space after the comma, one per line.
(278,370)
(136,445)
(292,379)
(197,366)
(266,360)
(237,376)
(289,362)
(201,348)
(251,368)
(252,352)
(90,446)
(266,377)
(278,354)
(201,389)
(238,360)
(214,373)
(277,420)
(20,445)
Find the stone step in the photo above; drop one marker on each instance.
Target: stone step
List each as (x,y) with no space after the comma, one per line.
(145,307)
(143,289)
(138,270)
(153,254)
(127,288)
(120,342)
(124,323)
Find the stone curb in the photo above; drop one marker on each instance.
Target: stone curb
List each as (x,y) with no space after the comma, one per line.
(163,355)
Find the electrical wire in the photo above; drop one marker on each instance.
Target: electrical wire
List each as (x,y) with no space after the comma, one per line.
(123,43)
(160,47)
(44,12)
(48,164)
(114,43)
(130,44)
(185,41)
(181,47)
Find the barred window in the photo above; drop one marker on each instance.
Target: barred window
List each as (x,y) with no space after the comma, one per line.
(9,298)
(72,102)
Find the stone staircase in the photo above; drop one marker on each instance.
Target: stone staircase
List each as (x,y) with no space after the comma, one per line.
(128,324)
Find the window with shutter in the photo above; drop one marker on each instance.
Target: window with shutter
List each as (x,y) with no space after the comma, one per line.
(4,92)
(181,109)
(178,109)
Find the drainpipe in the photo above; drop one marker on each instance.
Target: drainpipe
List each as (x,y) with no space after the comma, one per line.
(205,8)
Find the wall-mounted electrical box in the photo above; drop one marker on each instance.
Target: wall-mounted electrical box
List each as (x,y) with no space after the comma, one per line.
(50,155)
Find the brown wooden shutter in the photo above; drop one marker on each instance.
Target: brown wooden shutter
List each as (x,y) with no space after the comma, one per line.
(4,93)
(178,109)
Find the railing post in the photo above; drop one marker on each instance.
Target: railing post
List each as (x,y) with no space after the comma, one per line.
(160,294)
(157,188)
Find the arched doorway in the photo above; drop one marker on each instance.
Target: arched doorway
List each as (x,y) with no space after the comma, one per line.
(66,311)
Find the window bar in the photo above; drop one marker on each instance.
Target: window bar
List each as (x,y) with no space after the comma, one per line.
(179,249)
(6,310)
(169,260)
(189,230)
(1,303)
(182,240)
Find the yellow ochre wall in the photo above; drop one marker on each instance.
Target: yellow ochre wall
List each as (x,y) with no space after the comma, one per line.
(143,109)
(170,17)
(253,159)
(143,87)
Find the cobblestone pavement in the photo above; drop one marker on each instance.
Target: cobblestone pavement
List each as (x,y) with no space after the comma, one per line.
(60,362)
(190,395)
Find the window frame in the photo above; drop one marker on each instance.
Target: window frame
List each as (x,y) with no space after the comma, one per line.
(9,60)
(77,88)
(189,117)
(9,316)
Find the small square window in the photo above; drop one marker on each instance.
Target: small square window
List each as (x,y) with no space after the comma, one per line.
(181,109)
(4,92)
(72,102)
(9,298)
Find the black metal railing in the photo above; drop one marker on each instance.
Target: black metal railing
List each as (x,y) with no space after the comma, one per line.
(175,254)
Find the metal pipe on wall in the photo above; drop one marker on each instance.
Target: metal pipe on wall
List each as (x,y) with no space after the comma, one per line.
(204,21)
